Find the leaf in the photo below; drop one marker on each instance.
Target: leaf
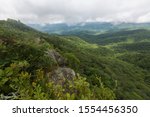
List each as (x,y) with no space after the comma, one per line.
(3,81)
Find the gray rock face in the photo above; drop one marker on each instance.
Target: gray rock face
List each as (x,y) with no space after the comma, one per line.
(56,57)
(60,75)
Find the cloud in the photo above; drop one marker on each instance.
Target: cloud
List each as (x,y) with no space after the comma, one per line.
(72,11)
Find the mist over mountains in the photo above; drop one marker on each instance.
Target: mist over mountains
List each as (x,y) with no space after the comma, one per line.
(95,27)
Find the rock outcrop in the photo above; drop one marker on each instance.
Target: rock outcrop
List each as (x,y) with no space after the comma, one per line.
(61,74)
(56,57)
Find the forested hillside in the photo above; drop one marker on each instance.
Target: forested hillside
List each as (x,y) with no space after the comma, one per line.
(35,65)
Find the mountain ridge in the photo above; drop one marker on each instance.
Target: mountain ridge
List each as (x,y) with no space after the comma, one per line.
(61,28)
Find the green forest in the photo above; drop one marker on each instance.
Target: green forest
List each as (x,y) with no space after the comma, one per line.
(75,65)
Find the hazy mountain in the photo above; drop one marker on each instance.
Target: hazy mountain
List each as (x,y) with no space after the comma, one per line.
(97,27)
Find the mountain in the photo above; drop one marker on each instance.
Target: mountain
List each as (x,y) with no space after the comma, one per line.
(106,62)
(92,27)
(36,65)
(63,27)
(132,42)
(136,35)
(33,67)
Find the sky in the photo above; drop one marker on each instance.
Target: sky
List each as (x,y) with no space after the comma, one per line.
(74,11)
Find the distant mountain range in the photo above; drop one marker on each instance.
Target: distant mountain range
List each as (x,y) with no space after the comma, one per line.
(100,27)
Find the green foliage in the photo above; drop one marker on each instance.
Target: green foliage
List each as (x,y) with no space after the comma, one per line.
(138,59)
(72,60)
(15,79)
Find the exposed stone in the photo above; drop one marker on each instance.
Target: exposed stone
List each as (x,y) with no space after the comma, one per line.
(60,75)
(56,57)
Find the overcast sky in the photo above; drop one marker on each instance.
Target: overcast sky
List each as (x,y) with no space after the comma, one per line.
(73,11)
